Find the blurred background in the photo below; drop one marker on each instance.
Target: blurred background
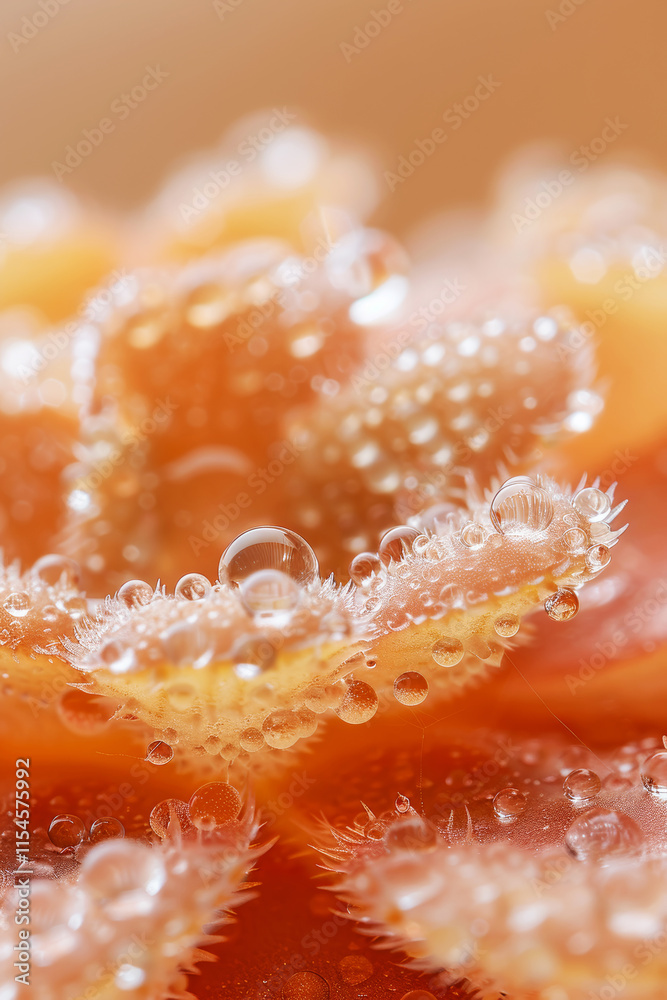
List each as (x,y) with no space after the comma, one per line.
(561,67)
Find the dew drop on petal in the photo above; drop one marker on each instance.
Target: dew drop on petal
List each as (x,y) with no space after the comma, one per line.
(397,543)
(447,652)
(159,752)
(509,803)
(592,503)
(575,541)
(213,805)
(363,567)
(581,785)
(17,604)
(599,834)
(562,605)
(519,504)
(506,625)
(53,569)
(270,596)
(359,704)
(268,548)
(410,688)
(192,587)
(473,535)
(282,729)
(251,740)
(411,833)
(169,816)
(305,986)
(654,774)
(402,803)
(597,557)
(106,828)
(66,830)
(135,594)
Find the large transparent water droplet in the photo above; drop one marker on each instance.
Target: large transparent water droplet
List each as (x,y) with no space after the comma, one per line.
(509,803)
(359,704)
(473,535)
(447,652)
(592,503)
(17,604)
(306,986)
(268,548)
(66,830)
(397,543)
(411,688)
(170,817)
(364,567)
(601,834)
(520,504)
(159,752)
(192,587)
(562,605)
(506,625)
(135,594)
(53,569)
(581,785)
(270,596)
(213,805)
(597,557)
(654,774)
(106,828)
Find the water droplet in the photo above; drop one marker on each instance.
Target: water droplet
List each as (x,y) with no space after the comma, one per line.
(169,817)
(562,605)
(575,541)
(192,587)
(518,504)
(370,267)
(359,704)
(251,740)
(305,986)
(397,543)
(355,969)
(509,803)
(597,557)
(213,805)
(410,688)
(363,567)
(252,656)
(268,548)
(581,785)
(654,774)
(159,752)
(53,569)
(506,625)
(412,833)
(473,535)
(66,830)
(126,875)
(135,593)
(281,729)
(447,652)
(18,604)
(106,828)
(270,596)
(402,803)
(599,834)
(592,503)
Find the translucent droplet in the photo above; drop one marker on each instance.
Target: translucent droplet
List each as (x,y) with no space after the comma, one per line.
(192,587)
(53,569)
(402,803)
(359,704)
(106,828)
(519,504)
(370,267)
(600,834)
(363,567)
(581,785)
(305,986)
(270,596)
(411,688)
(251,740)
(509,803)
(252,656)
(412,833)
(575,541)
(447,652)
(473,535)
(396,543)
(654,774)
(135,593)
(597,557)
(213,805)
(159,752)
(355,969)
(169,817)
(268,548)
(592,503)
(281,729)
(17,604)
(562,605)
(66,830)
(506,625)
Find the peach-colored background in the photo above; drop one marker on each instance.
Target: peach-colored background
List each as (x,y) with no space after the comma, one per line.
(605,59)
